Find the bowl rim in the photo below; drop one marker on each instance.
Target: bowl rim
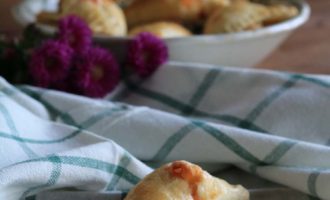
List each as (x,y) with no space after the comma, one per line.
(285,26)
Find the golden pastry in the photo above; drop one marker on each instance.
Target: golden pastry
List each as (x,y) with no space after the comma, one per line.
(211,5)
(239,16)
(162,29)
(103,16)
(254,26)
(280,12)
(147,11)
(181,180)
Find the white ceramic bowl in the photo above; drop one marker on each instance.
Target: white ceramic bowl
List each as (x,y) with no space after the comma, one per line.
(243,49)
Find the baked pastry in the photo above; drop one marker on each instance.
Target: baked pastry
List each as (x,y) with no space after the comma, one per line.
(238,16)
(182,11)
(103,16)
(162,29)
(280,12)
(181,180)
(211,5)
(147,11)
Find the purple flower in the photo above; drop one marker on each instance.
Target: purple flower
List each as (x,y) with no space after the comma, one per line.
(74,31)
(146,53)
(50,63)
(96,73)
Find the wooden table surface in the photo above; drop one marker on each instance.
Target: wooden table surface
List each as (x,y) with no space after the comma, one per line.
(308,49)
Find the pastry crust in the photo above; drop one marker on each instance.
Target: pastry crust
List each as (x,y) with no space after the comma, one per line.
(162,29)
(239,16)
(148,11)
(182,11)
(280,12)
(181,180)
(209,6)
(103,16)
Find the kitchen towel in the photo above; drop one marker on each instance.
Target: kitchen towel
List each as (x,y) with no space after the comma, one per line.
(271,124)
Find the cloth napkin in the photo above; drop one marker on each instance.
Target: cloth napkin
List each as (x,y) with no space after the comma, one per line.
(270,124)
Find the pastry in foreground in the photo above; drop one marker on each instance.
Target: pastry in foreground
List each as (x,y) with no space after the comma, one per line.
(162,30)
(181,180)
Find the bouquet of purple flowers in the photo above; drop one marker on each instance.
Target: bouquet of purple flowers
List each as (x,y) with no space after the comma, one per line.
(70,62)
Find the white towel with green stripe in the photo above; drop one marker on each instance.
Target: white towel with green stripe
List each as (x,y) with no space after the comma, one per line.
(274,125)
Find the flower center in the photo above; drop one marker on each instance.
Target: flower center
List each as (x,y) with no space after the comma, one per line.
(97,73)
(145,56)
(51,63)
(72,39)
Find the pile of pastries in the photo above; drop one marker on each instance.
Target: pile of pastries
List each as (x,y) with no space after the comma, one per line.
(172,18)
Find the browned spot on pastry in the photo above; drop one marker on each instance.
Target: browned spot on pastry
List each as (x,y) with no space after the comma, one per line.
(183,180)
(193,175)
